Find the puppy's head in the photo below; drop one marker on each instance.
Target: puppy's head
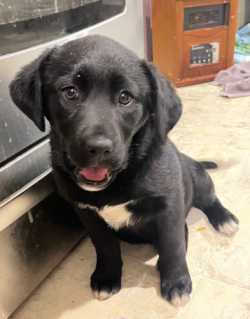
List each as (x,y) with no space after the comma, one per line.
(98,96)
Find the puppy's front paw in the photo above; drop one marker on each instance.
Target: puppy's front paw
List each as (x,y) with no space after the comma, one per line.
(177,291)
(103,286)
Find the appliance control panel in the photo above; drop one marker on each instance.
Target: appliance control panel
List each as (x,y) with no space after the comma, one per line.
(207,53)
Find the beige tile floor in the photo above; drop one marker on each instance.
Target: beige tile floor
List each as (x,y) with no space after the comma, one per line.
(212,127)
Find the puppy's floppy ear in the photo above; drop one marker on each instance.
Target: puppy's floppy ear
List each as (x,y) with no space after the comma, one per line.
(166,105)
(26,90)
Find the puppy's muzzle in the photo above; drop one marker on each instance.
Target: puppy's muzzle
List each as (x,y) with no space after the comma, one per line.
(99,147)
(96,174)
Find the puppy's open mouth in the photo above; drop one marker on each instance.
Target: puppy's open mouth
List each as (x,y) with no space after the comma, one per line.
(94,178)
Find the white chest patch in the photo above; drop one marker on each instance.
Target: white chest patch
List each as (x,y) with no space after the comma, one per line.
(116,216)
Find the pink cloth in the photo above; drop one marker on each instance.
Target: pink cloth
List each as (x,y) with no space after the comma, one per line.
(235,81)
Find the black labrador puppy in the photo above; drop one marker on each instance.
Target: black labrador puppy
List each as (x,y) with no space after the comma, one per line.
(109,113)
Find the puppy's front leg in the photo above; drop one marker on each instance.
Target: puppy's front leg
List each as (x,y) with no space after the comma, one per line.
(176,284)
(106,279)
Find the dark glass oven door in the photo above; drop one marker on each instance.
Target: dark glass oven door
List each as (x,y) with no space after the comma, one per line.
(206,16)
(31,22)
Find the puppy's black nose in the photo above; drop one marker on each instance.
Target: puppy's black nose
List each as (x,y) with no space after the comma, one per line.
(100,146)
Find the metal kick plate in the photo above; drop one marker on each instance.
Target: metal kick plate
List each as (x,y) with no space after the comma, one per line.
(32,246)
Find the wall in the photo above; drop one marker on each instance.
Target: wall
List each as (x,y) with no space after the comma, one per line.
(244,12)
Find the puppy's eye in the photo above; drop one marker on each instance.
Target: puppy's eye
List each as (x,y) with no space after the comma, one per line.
(70,93)
(125,98)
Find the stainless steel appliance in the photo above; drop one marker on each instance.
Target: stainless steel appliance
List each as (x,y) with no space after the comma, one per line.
(28,218)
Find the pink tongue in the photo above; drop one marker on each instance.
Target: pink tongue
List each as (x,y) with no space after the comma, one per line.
(95,174)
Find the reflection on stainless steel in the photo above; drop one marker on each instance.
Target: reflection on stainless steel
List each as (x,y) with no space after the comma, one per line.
(14,209)
(27,168)
(32,246)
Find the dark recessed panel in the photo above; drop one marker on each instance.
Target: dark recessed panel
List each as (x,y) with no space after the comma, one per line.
(205,17)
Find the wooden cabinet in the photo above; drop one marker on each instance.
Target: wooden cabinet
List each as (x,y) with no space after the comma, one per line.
(193,39)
